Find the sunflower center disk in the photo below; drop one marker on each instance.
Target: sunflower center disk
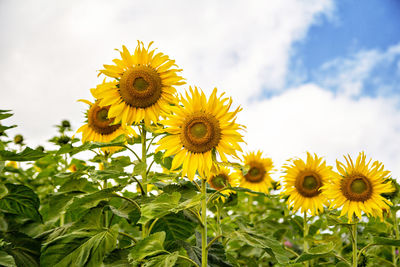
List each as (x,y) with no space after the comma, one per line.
(140,84)
(140,87)
(98,120)
(102,114)
(308,184)
(200,132)
(218,182)
(255,174)
(356,188)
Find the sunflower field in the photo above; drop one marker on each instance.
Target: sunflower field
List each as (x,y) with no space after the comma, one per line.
(159,175)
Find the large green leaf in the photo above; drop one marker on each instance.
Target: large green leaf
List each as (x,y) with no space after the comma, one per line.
(27,155)
(159,207)
(92,199)
(176,227)
(117,258)
(80,248)
(119,141)
(6,260)
(4,114)
(20,200)
(150,246)
(58,203)
(271,246)
(24,249)
(377,240)
(316,252)
(168,260)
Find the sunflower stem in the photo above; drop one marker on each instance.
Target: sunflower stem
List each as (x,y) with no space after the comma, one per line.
(204,228)
(144,173)
(218,206)
(144,158)
(396,232)
(354,242)
(305,234)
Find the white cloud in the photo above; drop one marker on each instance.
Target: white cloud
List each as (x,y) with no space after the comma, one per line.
(52,49)
(310,118)
(348,75)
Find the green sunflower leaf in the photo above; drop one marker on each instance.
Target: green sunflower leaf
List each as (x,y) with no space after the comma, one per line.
(316,252)
(159,207)
(28,154)
(24,249)
(20,200)
(150,246)
(80,248)
(6,260)
(377,240)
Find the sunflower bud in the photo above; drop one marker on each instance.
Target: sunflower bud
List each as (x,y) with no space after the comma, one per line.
(66,124)
(63,140)
(18,139)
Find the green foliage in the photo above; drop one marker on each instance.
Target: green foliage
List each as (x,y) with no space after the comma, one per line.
(60,210)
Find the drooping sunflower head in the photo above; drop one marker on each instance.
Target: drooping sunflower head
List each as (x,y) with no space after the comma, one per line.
(359,186)
(198,129)
(258,178)
(143,88)
(303,183)
(223,178)
(101,128)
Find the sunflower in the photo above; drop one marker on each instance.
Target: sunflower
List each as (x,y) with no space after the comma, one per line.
(359,186)
(198,129)
(258,178)
(143,87)
(303,184)
(223,178)
(100,128)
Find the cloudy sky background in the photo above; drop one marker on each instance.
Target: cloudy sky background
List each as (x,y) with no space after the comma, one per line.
(318,75)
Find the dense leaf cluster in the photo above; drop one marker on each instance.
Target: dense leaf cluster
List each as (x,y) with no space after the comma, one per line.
(58,210)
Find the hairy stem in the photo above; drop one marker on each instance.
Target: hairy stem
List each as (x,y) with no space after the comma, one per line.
(144,158)
(305,234)
(396,232)
(204,228)
(354,243)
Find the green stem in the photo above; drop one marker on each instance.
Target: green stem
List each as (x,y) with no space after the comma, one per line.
(354,243)
(218,206)
(305,234)
(140,185)
(128,236)
(133,202)
(105,212)
(144,173)
(189,260)
(144,158)
(134,153)
(62,218)
(212,241)
(396,232)
(204,228)
(152,225)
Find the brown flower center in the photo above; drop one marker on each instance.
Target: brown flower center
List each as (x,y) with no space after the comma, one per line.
(98,120)
(308,184)
(200,132)
(256,172)
(356,187)
(140,87)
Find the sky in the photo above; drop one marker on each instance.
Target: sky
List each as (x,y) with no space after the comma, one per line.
(319,75)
